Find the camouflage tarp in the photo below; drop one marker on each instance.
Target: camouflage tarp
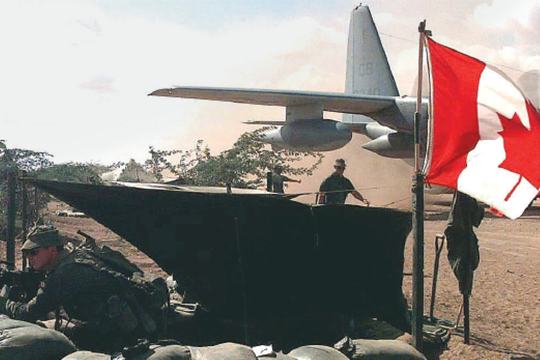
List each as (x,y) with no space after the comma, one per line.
(257,259)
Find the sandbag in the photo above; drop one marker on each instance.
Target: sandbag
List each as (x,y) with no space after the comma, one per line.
(170,352)
(153,352)
(266,352)
(384,349)
(24,340)
(316,352)
(225,351)
(87,355)
(276,356)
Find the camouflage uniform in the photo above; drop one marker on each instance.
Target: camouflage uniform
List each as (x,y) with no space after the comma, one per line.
(278,179)
(336,188)
(277,182)
(462,243)
(88,298)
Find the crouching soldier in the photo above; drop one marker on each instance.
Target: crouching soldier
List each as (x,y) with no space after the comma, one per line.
(98,316)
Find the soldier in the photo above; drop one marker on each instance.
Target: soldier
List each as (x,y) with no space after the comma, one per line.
(335,188)
(91,299)
(278,179)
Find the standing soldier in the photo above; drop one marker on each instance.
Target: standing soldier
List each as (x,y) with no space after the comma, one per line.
(278,179)
(335,188)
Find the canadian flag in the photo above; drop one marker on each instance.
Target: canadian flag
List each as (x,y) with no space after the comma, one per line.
(485,134)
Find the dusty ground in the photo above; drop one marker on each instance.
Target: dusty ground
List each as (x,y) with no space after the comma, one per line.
(505,307)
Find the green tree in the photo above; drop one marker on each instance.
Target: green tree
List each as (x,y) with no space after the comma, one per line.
(34,164)
(20,162)
(72,172)
(158,162)
(244,165)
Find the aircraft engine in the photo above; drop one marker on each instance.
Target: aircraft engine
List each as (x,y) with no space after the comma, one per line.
(310,135)
(393,145)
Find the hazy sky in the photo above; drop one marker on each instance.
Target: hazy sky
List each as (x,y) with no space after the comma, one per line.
(75,74)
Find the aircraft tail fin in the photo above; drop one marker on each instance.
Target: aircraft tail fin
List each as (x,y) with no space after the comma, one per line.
(368,70)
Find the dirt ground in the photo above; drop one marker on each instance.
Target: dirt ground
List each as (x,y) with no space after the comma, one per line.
(505,306)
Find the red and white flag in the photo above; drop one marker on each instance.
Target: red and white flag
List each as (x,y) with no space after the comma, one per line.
(485,133)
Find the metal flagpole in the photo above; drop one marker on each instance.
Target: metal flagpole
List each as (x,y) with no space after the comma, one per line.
(418,213)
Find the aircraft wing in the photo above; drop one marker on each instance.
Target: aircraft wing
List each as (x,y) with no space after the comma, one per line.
(335,102)
(265,122)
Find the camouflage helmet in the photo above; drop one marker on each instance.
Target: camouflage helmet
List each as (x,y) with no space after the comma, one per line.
(42,236)
(278,168)
(340,163)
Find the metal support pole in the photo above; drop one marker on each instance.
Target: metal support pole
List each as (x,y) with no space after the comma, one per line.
(418,261)
(439,242)
(466,309)
(466,320)
(418,212)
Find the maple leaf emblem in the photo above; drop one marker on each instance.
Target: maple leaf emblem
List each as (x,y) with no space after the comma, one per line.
(521,146)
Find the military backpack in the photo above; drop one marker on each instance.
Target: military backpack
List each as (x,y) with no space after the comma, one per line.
(143,299)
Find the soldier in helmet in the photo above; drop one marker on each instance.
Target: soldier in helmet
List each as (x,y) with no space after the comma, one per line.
(87,296)
(335,188)
(278,179)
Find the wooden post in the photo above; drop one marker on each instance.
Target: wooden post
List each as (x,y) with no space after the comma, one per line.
(24,213)
(11,210)
(269,182)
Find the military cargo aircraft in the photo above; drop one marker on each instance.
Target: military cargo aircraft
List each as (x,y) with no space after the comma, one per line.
(371,102)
